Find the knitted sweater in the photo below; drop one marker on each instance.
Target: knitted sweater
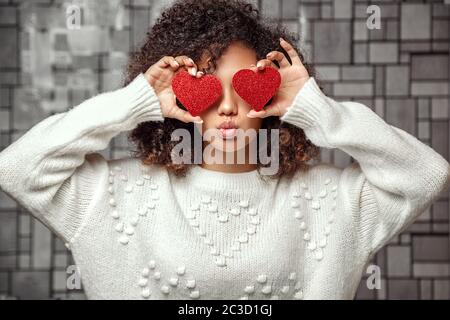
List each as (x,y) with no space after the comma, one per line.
(138,232)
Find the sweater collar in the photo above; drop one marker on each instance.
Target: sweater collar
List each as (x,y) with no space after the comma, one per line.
(201,177)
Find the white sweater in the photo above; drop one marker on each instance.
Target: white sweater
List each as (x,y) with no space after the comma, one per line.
(138,232)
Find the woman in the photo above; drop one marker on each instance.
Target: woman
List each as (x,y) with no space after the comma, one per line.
(148,227)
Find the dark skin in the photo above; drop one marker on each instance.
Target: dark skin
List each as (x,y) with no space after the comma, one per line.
(230,107)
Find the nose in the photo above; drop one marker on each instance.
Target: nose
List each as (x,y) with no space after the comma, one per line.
(228,105)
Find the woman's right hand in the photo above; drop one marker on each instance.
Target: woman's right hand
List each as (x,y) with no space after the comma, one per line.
(160,77)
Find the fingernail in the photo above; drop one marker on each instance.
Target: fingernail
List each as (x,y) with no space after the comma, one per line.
(281,39)
(259,65)
(177,64)
(249,115)
(198,121)
(252,65)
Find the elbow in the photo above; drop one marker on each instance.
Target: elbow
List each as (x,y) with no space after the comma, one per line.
(439,180)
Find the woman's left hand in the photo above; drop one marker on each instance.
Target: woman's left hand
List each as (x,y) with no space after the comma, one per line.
(293,77)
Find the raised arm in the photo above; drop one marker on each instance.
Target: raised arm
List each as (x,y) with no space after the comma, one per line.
(54,168)
(396,176)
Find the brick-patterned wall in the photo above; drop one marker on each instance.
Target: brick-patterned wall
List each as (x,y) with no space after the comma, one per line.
(401,71)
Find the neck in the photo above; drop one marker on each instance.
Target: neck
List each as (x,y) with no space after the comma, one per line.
(233,167)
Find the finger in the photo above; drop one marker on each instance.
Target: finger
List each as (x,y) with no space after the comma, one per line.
(200,74)
(268,111)
(280,57)
(188,63)
(291,52)
(169,61)
(264,63)
(182,115)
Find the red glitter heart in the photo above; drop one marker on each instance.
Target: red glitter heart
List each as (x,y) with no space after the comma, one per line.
(257,88)
(196,94)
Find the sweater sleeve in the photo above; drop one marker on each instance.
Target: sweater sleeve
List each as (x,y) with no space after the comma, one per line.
(54,169)
(395,176)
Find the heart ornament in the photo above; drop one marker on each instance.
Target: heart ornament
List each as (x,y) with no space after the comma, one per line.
(196,94)
(257,88)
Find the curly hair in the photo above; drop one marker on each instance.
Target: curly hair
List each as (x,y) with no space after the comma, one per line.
(198,27)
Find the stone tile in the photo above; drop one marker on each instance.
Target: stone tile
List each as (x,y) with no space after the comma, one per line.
(332,42)
(24,261)
(429,88)
(360,53)
(423,106)
(415,21)
(88,40)
(41,246)
(440,46)
(401,113)
(120,40)
(6,202)
(357,73)
(4,282)
(397,80)
(270,8)
(328,73)
(4,97)
(360,31)
(423,128)
(383,52)
(59,280)
(31,284)
(439,138)
(439,228)
(309,11)
(441,29)
(379,80)
(8,230)
(418,46)
(392,30)
(439,108)
(8,261)
(25,245)
(9,53)
(399,260)
(430,248)
(7,15)
(403,289)
(60,260)
(27,110)
(441,289)
(440,210)
(389,10)
(4,120)
(430,66)
(441,10)
(343,8)
(326,11)
(428,270)
(289,9)
(425,290)
(363,292)
(353,89)
(24,225)
(60,42)
(377,34)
